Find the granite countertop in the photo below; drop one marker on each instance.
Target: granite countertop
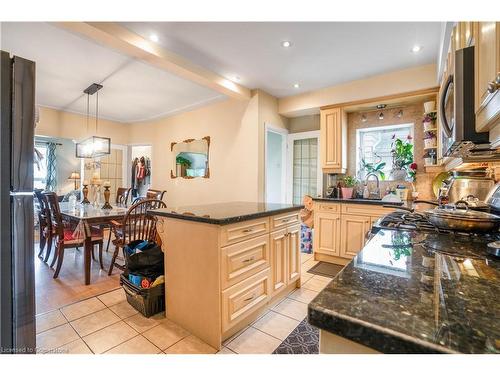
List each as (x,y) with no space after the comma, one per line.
(415,292)
(378,202)
(226,213)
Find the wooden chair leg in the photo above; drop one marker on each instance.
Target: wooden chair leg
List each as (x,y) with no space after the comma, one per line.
(113,259)
(60,257)
(50,239)
(93,254)
(43,240)
(109,240)
(101,245)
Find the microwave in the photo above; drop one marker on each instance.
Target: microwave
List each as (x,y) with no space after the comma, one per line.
(456,109)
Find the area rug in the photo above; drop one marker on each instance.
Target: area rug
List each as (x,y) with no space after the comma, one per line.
(304,339)
(326,269)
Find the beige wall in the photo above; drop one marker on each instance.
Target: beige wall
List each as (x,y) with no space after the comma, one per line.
(411,114)
(59,124)
(233,131)
(401,81)
(303,123)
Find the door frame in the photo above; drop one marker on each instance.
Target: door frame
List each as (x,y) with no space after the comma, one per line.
(289,164)
(284,135)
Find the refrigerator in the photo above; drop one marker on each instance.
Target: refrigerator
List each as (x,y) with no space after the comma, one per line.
(17,275)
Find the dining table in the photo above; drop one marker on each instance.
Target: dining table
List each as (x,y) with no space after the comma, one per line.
(85,216)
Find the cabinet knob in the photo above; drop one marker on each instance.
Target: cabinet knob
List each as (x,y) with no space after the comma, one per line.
(493,86)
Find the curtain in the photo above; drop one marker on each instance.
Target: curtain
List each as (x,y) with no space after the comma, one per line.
(51,184)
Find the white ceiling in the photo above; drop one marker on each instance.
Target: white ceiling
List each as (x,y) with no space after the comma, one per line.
(321,55)
(66,64)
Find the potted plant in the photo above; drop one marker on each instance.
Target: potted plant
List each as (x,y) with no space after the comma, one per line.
(429,121)
(374,168)
(348,183)
(429,140)
(181,165)
(402,157)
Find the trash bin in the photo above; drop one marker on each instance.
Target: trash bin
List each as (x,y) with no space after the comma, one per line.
(148,301)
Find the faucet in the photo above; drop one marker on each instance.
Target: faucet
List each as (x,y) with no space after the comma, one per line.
(376,193)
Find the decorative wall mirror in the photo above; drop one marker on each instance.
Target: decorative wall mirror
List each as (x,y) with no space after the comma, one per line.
(190,158)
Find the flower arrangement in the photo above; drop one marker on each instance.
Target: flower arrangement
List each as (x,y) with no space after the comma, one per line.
(402,157)
(349,181)
(429,117)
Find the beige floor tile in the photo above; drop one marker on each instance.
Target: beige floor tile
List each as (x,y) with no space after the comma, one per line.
(228,340)
(305,257)
(49,320)
(303,295)
(291,308)
(79,309)
(109,337)
(323,278)
(140,323)
(55,338)
(225,350)
(114,297)
(253,341)
(136,345)
(190,345)
(165,334)
(94,322)
(315,284)
(123,310)
(276,325)
(305,277)
(75,347)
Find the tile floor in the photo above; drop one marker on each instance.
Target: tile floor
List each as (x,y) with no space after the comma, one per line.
(108,324)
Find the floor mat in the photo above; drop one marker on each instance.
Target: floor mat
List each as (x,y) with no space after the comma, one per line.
(326,269)
(304,339)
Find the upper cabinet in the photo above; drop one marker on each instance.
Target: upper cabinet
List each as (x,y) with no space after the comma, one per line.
(333,143)
(487,74)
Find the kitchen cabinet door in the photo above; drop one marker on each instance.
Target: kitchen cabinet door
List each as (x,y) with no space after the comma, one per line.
(326,233)
(333,140)
(487,74)
(279,270)
(293,253)
(353,231)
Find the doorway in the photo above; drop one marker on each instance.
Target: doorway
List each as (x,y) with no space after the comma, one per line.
(275,162)
(304,176)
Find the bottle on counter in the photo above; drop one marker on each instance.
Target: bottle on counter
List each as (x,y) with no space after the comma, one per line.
(339,190)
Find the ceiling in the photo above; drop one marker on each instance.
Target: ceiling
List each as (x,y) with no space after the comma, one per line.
(322,54)
(67,64)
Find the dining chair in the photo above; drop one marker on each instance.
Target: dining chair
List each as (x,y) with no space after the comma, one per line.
(64,235)
(137,224)
(45,225)
(155,194)
(122,195)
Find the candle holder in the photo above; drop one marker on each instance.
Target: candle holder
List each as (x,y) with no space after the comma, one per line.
(85,191)
(107,193)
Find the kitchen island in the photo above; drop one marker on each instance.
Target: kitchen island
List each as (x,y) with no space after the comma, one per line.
(226,263)
(412,292)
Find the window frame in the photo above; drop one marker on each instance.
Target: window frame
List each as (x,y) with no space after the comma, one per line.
(40,145)
(367,129)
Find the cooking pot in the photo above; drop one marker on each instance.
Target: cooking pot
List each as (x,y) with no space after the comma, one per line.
(460,218)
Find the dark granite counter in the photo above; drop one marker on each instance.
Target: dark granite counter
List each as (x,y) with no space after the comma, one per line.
(409,292)
(377,202)
(226,213)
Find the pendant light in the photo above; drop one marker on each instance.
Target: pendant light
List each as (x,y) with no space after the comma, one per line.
(94,146)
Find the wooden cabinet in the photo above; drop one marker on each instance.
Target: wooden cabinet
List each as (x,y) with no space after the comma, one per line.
(353,229)
(285,257)
(487,74)
(326,233)
(333,140)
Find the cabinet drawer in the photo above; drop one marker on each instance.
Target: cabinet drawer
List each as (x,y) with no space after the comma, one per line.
(244,230)
(328,207)
(244,259)
(283,220)
(365,209)
(244,298)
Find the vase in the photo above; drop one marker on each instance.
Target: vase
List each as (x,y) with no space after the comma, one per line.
(347,192)
(428,126)
(85,192)
(398,175)
(107,193)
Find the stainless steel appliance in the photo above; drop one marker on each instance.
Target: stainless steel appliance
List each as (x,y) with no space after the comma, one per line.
(456,108)
(462,184)
(17,275)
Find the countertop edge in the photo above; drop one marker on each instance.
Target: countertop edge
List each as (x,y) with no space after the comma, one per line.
(373,202)
(225,221)
(344,326)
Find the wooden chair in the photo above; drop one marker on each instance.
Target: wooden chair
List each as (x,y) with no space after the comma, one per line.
(122,195)
(155,194)
(45,224)
(64,235)
(136,225)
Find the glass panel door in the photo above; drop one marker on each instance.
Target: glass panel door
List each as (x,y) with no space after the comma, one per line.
(305,168)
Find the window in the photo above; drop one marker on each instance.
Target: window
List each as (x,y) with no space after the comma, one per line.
(305,168)
(40,169)
(374,146)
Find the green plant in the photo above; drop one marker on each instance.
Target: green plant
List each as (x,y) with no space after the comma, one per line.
(375,168)
(402,153)
(349,181)
(183,161)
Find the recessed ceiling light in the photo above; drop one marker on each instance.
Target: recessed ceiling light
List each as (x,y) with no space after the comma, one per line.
(296,85)
(286,43)
(416,48)
(154,38)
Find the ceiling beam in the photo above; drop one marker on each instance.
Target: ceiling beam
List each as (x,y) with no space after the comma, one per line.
(121,39)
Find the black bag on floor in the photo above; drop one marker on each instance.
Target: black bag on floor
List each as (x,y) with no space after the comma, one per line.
(149,262)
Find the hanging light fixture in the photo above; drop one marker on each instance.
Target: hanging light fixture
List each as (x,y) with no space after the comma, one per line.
(363,117)
(381,115)
(94,146)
